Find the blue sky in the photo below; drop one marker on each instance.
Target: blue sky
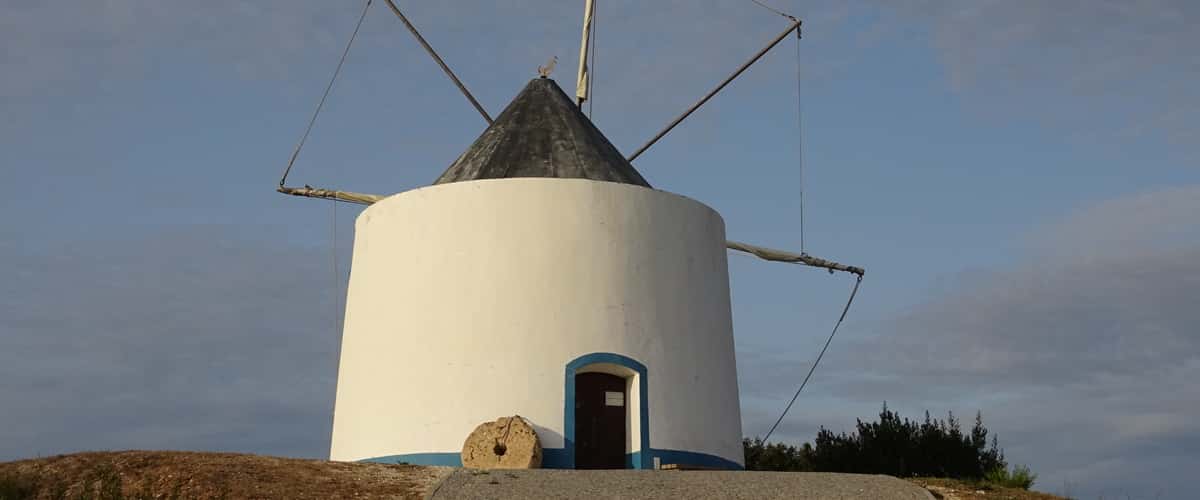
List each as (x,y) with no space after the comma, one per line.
(1020,180)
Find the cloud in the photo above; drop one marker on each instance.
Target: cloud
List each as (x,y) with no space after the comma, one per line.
(1101,68)
(52,48)
(1108,289)
(198,338)
(1107,68)
(1125,227)
(1081,355)
(653,59)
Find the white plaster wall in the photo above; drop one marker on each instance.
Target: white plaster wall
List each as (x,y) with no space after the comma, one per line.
(467,300)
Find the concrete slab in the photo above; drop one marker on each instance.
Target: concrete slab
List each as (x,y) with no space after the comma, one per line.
(689,485)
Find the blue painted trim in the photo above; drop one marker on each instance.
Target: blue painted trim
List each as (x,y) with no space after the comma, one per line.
(693,458)
(564,458)
(642,460)
(634,460)
(449,459)
(556,458)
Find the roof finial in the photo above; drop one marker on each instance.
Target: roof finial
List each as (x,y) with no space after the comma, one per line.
(544,71)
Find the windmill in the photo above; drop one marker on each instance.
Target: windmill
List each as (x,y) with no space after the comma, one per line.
(541,275)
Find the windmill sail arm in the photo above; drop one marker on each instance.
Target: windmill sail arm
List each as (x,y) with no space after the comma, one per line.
(793,258)
(764,253)
(581,84)
(331,194)
(795,26)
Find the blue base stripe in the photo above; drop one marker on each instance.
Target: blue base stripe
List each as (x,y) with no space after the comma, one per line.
(557,458)
(693,458)
(448,459)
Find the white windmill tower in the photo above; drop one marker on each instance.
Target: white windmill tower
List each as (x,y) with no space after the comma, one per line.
(542,276)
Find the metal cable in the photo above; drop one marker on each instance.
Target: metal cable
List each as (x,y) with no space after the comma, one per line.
(799,118)
(325,95)
(818,361)
(445,69)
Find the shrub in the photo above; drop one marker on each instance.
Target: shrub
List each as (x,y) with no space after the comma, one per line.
(1019,477)
(777,456)
(895,446)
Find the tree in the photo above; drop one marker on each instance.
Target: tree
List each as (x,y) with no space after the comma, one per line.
(777,456)
(892,445)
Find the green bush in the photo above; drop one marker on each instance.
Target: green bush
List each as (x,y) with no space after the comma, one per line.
(777,456)
(895,446)
(1019,477)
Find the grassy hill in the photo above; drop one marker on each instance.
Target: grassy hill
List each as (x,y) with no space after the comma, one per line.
(189,475)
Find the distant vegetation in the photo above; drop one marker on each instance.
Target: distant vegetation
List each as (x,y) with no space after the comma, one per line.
(1019,477)
(897,447)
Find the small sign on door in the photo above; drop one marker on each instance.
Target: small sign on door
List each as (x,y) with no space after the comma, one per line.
(614,398)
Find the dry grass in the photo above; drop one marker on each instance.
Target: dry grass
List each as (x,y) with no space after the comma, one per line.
(187,475)
(951,489)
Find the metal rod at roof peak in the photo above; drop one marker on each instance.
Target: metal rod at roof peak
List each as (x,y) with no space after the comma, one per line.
(581,83)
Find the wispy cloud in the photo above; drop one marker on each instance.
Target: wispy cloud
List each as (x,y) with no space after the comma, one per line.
(198,338)
(1087,345)
(1100,68)
(56,47)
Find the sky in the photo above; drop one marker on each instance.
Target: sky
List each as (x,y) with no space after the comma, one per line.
(1020,179)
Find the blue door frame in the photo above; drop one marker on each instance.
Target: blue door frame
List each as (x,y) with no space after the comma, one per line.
(639,459)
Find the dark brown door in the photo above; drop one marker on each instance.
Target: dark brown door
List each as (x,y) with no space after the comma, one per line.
(599,421)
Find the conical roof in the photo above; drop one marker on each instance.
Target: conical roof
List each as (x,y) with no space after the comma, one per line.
(542,133)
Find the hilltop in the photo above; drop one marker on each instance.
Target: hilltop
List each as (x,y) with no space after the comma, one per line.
(182,474)
(186,475)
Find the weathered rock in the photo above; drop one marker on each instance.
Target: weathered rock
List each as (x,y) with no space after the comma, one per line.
(507,443)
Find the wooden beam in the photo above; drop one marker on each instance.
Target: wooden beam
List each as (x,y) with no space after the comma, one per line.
(793,258)
(331,194)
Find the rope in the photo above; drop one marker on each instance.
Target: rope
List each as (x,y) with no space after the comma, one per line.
(445,69)
(800,138)
(768,7)
(325,95)
(799,118)
(818,361)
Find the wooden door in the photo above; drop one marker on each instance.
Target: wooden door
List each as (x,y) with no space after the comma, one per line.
(599,421)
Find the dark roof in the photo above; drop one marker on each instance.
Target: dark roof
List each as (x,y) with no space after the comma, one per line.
(542,133)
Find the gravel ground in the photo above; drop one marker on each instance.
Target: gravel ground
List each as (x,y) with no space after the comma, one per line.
(690,485)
